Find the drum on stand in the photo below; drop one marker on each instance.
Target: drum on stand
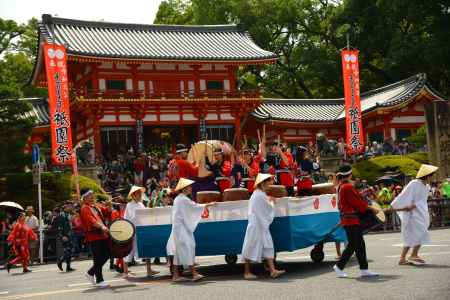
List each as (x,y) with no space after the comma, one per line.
(323,188)
(370,221)
(236,194)
(121,234)
(208,197)
(277,191)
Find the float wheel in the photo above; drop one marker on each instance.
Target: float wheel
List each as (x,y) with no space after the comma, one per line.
(231,259)
(317,254)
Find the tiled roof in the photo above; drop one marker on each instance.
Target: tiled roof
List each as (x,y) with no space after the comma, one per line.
(299,110)
(39,110)
(320,110)
(156,42)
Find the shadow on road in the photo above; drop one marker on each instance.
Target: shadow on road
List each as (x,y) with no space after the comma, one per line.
(378,279)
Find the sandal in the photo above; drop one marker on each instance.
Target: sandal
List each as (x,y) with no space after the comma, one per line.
(250,276)
(404,263)
(180,279)
(197,277)
(416,259)
(277,273)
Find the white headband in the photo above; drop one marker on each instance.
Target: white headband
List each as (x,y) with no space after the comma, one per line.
(86,194)
(344,173)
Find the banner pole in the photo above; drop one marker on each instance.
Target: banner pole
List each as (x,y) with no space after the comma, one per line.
(41,222)
(75,174)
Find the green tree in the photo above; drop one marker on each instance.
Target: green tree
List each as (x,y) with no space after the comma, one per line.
(396,39)
(18,46)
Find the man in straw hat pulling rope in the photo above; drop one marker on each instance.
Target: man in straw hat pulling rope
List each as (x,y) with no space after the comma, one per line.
(186,215)
(258,243)
(412,207)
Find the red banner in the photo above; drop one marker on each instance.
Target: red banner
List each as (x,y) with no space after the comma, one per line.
(58,94)
(353,118)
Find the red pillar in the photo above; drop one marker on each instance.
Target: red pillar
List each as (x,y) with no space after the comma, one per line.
(97,139)
(386,127)
(237,132)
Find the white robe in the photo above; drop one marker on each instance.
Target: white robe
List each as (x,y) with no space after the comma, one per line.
(130,215)
(186,215)
(258,243)
(414,223)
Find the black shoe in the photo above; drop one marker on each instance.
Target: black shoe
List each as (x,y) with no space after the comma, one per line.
(69,269)
(27,271)
(8,267)
(59,264)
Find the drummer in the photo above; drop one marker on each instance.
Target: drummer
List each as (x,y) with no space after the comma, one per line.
(180,167)
(186,215)
(285,169)
(258,244)
(246,169)
(118,212)
(221,169)
(351,203)
(92,218)
(135,196)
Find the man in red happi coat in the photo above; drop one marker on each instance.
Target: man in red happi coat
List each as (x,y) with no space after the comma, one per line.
(285,171)
(221,170)
(19,236)
(179,167)
(351,206)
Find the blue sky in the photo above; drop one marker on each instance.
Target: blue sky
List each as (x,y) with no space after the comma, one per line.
(128,11)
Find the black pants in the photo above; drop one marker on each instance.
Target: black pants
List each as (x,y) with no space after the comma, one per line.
(356,245)
(100,253)
(290,191)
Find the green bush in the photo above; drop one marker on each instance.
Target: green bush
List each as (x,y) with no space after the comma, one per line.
(421,157)
(376,167)
(57,187)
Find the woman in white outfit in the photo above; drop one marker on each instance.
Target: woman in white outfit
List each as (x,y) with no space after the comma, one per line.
(412,208)
(186,214)
(258,243)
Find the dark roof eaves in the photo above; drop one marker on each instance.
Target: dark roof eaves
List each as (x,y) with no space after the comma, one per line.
(154,27)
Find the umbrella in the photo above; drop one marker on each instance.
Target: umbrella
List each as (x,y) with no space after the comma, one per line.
(386,179)
(9,204)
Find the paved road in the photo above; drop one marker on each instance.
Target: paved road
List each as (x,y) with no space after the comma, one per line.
(304,279)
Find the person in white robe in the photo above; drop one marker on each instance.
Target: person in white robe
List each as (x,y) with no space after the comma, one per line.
(258,243)
(186,214)
(412,208)
(135,203)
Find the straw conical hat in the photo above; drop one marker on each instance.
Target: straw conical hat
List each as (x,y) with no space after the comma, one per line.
(262,177)
(426,170)
(134,189)
(182,183)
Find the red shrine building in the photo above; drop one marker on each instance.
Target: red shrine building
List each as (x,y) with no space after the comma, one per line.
(143,85)
(136,84)
(394,111)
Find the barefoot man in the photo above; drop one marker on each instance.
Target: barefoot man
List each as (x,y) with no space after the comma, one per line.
(186,214)
(412,208)
(258,243)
